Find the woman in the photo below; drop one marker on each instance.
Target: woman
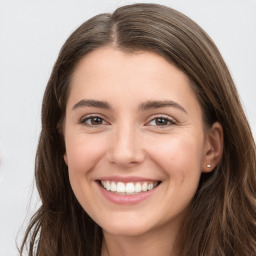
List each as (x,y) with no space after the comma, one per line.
(144,148)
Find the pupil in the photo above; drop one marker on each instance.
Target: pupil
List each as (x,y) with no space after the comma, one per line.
(96,120)
(161,121)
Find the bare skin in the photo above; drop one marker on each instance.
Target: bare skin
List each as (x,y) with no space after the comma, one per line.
(134,118)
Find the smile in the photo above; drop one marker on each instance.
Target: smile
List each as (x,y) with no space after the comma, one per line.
(129,188)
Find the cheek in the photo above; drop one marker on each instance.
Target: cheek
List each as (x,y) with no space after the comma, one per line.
(179,156)
(82,154)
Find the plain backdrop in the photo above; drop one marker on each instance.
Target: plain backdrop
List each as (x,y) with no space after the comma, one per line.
(31,34)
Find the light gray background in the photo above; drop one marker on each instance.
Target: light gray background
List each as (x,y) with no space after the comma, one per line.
(31,34)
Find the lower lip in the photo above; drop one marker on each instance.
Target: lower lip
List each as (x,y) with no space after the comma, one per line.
(126,199)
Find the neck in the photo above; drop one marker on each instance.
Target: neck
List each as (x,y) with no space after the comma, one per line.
(162,242)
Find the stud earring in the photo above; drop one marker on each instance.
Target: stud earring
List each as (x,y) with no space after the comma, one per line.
(208,166)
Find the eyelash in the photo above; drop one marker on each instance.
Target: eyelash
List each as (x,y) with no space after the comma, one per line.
(90,118)
(167,121)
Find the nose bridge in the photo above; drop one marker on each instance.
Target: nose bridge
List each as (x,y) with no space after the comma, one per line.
(126,145)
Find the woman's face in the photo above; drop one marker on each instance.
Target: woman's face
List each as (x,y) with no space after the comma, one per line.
(135,142)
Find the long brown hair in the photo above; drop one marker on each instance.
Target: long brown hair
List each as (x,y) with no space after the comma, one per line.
(222,220)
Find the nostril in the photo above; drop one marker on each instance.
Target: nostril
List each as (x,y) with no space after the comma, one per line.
(125,149)
(126,157)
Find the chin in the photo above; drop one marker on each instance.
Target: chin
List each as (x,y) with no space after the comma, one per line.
(126,228)
(126,231)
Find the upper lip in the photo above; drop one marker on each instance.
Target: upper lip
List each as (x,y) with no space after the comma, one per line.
(126,179)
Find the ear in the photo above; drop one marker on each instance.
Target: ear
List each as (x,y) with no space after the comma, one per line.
(66,158)
(61,129)
(213,147)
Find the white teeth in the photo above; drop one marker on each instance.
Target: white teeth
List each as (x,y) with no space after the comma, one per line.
(113,186)
(120,187)
(137,187)
(108,185)
(150,186)
(128,188)
(144,187)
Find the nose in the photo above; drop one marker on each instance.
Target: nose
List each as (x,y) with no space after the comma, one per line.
(127,147)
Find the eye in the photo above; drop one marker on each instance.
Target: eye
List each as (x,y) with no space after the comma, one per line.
(93,121)
(161,121)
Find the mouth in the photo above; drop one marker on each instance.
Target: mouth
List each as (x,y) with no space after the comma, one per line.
(128,188)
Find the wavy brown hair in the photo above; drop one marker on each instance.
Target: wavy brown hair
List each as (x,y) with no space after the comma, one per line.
(222,220)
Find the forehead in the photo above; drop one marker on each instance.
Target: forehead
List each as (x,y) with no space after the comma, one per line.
(110,59)
(108,72)
(108,63)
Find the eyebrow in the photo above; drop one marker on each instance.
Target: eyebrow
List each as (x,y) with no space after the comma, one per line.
(161,104)
(143,107)
(92,103)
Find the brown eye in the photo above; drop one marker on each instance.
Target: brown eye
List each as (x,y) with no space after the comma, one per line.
(93,121)
(161,121)
(96,121)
